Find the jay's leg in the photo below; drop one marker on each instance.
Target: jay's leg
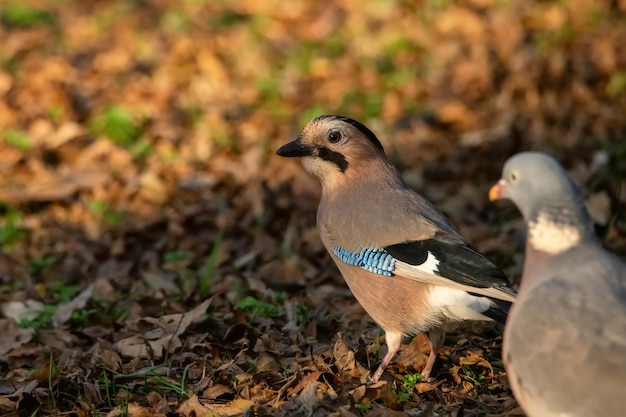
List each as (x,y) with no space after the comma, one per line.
(394,340)
(437,338)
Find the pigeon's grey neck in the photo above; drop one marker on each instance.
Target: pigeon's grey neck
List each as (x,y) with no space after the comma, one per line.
(559,224)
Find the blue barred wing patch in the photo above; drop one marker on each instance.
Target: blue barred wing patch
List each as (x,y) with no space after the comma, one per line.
(375,260)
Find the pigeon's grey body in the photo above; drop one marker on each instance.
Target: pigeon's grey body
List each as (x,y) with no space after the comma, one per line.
(565,338)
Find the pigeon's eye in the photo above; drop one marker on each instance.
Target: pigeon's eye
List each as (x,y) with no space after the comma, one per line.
(334,136)
(514,177)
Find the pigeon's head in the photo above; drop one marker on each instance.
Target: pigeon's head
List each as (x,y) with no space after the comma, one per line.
(550,202)
(531,180)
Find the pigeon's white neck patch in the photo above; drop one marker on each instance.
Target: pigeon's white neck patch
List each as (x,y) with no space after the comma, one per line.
(546,235)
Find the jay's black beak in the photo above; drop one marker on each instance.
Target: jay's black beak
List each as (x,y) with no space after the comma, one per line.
(294,149)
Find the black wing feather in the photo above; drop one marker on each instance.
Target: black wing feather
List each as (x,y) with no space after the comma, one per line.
(498,312)
(458,261)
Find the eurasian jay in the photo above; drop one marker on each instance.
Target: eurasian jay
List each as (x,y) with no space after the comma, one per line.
(565,340)
(403,260)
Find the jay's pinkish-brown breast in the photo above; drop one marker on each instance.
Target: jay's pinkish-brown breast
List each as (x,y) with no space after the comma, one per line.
(396,303)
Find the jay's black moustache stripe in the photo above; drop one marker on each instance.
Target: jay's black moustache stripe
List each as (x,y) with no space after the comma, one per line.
(331,156)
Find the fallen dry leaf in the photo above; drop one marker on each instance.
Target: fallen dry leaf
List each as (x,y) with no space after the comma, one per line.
(158,335)
(132,410)
(193,407)
(65,310)
(22,310)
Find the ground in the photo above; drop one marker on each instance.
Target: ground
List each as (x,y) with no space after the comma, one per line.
(158,259)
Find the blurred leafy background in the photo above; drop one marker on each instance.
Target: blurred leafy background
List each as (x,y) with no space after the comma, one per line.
(137,169)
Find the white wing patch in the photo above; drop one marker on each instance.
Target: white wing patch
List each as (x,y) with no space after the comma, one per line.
(458,304)
(431,265)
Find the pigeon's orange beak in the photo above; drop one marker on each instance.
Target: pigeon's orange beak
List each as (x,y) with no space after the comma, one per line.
(495,193)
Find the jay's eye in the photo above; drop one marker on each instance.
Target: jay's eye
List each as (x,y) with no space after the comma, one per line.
(334,136)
